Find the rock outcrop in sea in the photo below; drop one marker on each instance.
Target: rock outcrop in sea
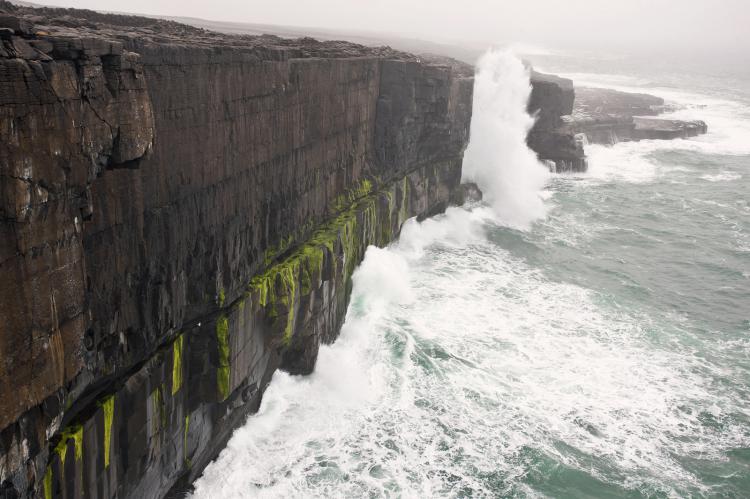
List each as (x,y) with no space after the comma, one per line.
(181,215)
(607,116)
(558,145)
(569,117)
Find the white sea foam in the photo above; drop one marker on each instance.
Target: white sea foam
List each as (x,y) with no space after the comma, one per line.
(497,157)
(634,162)
(722,177)
(627,161)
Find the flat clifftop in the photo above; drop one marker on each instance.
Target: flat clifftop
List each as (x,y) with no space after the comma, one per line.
(603,102)
(78,23)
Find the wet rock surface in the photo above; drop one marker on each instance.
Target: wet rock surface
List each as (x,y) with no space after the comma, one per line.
(180,213)
(567,118)
(608,116)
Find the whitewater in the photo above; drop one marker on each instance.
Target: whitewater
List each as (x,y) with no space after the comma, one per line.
(570,336)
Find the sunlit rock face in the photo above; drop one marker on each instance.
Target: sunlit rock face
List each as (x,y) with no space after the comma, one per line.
(181,212)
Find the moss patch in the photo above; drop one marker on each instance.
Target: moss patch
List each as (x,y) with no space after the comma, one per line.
(108,409)
(177,364)
(223,371)
(403,212)
(343,201)
(76,434)
(358,224)
(185,440)
(48,483)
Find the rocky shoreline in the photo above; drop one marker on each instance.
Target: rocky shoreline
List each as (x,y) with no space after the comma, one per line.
(181,211)
(609,116)
(595,116)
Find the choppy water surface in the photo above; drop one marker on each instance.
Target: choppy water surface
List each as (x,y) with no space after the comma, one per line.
(601,351)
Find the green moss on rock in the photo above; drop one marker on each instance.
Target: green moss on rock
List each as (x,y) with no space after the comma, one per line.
(177,364)
(358,223)
(108,410)
(223,371)
(185,441)
(48,483)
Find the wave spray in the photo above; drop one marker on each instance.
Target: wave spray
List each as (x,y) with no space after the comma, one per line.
(497,157)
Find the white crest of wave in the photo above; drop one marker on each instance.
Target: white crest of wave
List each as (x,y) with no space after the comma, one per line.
(497,157)
(722,177)
(455,228)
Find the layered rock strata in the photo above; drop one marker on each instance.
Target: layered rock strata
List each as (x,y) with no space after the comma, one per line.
(181,213)
(558,145)
(567,118)
(608,116)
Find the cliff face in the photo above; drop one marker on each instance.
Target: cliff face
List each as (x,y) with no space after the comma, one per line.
(181,212)
(551,99)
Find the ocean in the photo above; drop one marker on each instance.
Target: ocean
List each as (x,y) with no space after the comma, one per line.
(573,335)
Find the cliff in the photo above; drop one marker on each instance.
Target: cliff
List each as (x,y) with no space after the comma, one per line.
(551,100)
(180,215)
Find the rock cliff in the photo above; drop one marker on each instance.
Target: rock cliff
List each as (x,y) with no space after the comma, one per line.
(551,100)
(180,215)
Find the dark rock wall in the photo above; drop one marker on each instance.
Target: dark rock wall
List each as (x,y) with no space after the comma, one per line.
(552,98)
(72,111)
(180,217)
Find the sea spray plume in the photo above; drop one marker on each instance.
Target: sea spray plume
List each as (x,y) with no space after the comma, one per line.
(497,157)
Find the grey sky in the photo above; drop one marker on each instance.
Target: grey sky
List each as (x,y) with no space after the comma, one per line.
(704,25)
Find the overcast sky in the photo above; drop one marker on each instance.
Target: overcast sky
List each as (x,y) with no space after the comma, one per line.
(662,24)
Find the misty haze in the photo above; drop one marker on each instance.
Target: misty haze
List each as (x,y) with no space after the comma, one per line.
(351,248)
